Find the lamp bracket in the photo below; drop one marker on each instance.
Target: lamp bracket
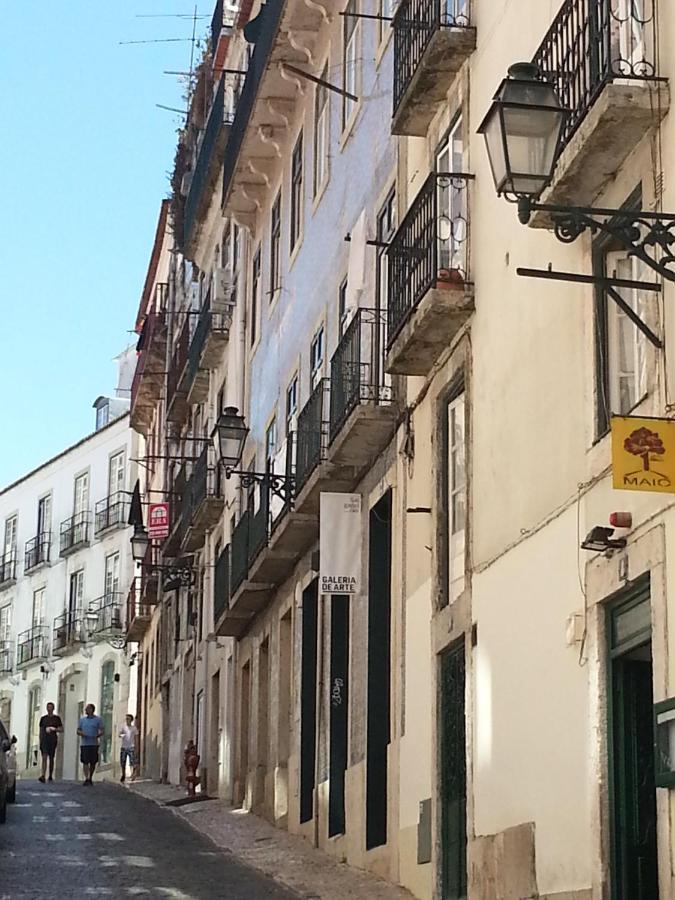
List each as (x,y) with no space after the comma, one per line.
(649,236)
(280,485)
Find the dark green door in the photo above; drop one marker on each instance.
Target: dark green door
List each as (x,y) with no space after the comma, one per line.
(453,775)
(633,796)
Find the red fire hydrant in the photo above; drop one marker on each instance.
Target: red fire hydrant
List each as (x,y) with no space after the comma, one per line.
(191,760)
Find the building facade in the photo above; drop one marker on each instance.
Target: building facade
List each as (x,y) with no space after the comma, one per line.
(477,720)
(65,573)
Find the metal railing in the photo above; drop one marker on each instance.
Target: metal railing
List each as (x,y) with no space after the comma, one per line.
(415,23)
(178,360)
(258,64)
(152,324)
(180,490)
(110,512)
(6,658)
(32,644)
(221,584)
(109,614)
(430,248)
(239,558)
(8,567)
(136,604)
(37,550)
(205,480)
(66,632)
(594,42)
(209,322)
(259,524)
(357,368)
(74,531)
(312,436)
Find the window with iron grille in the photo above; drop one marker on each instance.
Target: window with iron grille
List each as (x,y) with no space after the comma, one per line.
(321,133)
(255,296)
(297,192)
(275,247)
(349,59)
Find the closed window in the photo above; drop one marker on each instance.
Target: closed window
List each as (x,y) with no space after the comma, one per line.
(291,405)
(5,626)
(255,296)
(81,500)
(11,529)
(343,312)
(386,224)
(271,442)
(316,358)
(76,595)
(297,193)
(321,133)
(455,477)
(38,608)
(275,246)
(386,11)
(116,473)
(112,575)
(44,518)
(349,60)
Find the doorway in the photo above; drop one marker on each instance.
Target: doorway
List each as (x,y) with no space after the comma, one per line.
(452,780)
(634,862)
(339,711)
(214,772)
(244,713)
(308,672)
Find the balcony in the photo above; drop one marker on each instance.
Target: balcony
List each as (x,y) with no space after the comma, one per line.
(139,611)
(362,417)
(146,387)
(602,58)
(432,39)
(6,658)
(179,491)
(202,501)
(110,513)
(75,533)
(7,569)
(430,294)
(37,551)
(206,347)
(109,609)
(32,645)
(210,156)
(66,634)
(176,395)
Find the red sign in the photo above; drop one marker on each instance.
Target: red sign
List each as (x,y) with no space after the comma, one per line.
(158,520)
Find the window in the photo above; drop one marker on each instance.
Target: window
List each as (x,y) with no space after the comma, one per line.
(81,501)
(116,473)
(271,442)
(316,359)
(386,10)
(44,522)
(5,626)
(621,354)
(451,198)
(255,295)
(11,528)
(456,493)
(343,312)
(291,405)
(386,225)
(112,575)
(349,60)
(275,247)
(76,595)
(297,197)
(38,608)
(107,707)
(321,133)
(102,415)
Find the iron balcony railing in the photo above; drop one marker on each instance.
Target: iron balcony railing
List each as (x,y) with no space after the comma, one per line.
(75,531)
(222,113)
(259,524)
(8,567)
(221,585)
(153,324)
(66,632)
(357,368)
(268,26)
(415,23)
(205,480)
(137,606)
(431,247)
(312,439)
(6,658)
(109,610)
(240,539)
(180,490)
(594,42)
(111,512)
(38,550)
(209,322)
(32,644)
(178,360)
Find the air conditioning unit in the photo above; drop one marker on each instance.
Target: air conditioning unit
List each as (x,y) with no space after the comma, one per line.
(185,184)
(224,289)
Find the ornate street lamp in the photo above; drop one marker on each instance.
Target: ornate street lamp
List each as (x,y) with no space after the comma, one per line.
(140,541)
(229,437)
(522,132)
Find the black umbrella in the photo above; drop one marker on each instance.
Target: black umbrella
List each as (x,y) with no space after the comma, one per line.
(136,508)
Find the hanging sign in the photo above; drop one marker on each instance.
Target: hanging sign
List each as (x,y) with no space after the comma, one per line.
(340,543)
(158,521)
(643,454)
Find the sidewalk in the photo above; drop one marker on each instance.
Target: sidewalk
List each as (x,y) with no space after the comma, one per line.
(286,858)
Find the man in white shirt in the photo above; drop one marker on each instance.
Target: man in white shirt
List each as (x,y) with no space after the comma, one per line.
(128,733)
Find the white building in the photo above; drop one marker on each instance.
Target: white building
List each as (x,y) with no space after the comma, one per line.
(65,573)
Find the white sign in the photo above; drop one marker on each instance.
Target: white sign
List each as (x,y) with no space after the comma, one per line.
(340,544)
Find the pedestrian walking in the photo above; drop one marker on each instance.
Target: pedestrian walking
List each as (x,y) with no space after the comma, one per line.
(50,728)
(91,731)
(128,733)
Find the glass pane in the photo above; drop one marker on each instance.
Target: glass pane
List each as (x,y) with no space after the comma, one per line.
(630,622)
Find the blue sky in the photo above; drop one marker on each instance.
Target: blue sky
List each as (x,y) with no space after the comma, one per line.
(84,159)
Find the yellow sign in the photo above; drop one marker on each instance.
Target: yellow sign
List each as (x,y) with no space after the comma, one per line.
(643,454)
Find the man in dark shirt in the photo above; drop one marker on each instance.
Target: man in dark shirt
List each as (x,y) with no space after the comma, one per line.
(50,727)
